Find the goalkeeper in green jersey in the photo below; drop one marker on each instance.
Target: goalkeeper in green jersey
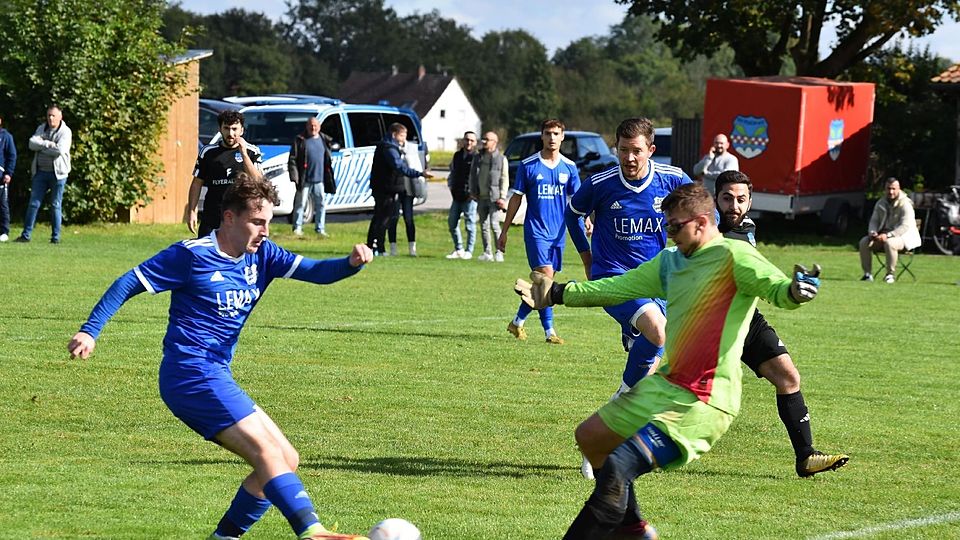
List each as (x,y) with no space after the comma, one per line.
(671,418)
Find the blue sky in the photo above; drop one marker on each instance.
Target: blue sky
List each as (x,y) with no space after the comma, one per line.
(554,22)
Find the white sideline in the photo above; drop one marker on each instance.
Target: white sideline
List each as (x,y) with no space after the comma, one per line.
(905,524)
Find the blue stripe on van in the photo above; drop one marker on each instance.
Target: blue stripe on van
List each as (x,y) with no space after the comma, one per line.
(353,178)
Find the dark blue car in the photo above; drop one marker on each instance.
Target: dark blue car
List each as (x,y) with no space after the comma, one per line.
(588,150)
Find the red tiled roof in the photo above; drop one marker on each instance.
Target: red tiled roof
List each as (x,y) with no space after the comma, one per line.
(950,76)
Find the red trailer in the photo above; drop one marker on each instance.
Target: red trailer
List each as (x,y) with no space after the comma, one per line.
(804,142)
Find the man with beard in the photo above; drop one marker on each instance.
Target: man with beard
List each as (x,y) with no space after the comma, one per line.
(763,351)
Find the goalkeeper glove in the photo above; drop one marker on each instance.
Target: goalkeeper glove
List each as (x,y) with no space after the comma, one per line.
(805,284)
(543,292)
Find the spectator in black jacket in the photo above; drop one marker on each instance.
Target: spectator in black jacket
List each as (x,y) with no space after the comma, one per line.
(386,182)
(8,162)
(463,204)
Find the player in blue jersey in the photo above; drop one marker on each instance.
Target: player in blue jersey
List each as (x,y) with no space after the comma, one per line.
(548,179)
(215,282)
(628,230)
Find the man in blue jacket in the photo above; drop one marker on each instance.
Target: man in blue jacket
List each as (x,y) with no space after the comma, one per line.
(386,182)
(8,162)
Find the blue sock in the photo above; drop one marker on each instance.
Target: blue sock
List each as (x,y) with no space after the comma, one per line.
(523,312)
(244,511)
(641,356)
(287,493)
(546,319)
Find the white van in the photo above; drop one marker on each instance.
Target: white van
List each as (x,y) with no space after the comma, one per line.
(354,129)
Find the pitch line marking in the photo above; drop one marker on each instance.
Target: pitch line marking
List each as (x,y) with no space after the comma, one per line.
(905,524)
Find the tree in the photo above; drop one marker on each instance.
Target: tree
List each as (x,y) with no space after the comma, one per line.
(250,56)
(109,70)
(348,35)
(764,34)
(911,118)
(628,72)
(510,82)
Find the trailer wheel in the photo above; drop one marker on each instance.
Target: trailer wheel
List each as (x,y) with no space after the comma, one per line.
(835,217)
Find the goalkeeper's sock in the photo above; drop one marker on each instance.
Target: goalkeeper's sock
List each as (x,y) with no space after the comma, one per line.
(522,314)
(796,418)
(244,511)
(286,491)
(640,359)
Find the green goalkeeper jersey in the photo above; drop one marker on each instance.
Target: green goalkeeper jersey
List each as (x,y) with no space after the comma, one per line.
(710,297)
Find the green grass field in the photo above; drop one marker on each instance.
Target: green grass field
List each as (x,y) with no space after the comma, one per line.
(406,397)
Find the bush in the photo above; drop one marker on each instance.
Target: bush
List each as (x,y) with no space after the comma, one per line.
(108,68)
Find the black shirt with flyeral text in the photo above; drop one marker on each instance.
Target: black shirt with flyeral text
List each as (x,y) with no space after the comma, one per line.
(218,166)
(746,231)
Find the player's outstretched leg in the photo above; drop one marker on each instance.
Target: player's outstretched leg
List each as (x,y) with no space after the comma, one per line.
(245,510)
(516,325)
(779,369)
(586,469)
(546,320)
(606,509)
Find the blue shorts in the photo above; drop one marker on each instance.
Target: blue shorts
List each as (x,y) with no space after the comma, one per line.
(627,312)
(544,253)
(203,395)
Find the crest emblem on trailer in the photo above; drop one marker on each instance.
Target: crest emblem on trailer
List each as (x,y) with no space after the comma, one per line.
(835,139)
(749,136)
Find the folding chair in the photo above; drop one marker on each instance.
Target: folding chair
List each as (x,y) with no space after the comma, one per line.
(904,260)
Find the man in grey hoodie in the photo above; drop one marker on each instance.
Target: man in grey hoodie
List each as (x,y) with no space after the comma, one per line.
(50,168)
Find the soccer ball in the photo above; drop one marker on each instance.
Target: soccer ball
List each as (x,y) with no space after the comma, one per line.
(394,529)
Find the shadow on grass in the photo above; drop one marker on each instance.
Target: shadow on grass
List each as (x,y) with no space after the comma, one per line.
(369,329)
(430,466)
(731,474)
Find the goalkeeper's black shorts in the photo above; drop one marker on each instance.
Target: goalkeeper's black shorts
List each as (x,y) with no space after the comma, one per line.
(762,343)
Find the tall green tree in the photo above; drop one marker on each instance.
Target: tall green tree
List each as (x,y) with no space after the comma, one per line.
(628,72)
(348,35)
(913,123)
(250,54)
(764,34)
(109,70)
(510,82)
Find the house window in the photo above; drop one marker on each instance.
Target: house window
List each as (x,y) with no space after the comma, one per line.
(443,113)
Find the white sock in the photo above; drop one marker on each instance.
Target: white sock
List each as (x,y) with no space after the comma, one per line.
(518,322)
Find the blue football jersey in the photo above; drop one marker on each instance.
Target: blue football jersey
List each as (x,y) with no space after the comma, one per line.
(212,294)
(547,190)
(628,225)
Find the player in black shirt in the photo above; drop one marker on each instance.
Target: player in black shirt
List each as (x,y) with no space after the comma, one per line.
(763,351)
(217,167)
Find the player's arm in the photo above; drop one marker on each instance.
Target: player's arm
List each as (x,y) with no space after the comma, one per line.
(756,276)
(124,288)
(512,207)
(642,282)
(326,271)
(249,167)
(193,200)
(576,226)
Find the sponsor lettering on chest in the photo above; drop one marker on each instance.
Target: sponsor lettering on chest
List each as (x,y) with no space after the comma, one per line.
(233,299)
(628,226)
(548,191)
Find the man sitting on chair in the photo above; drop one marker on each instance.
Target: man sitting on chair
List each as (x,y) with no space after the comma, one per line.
(892,229)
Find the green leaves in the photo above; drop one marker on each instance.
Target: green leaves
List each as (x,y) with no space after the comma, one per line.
(105,68)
